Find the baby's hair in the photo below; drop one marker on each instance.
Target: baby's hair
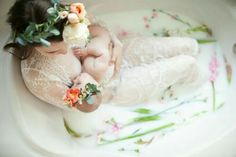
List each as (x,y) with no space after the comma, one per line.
(20,15)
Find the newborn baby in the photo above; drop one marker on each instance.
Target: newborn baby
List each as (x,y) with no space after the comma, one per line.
(95,57)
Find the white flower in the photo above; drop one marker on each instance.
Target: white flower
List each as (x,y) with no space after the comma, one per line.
(73,18)
(76,34)
(63,14)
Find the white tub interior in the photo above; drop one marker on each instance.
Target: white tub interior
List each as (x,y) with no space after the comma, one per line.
(211,136)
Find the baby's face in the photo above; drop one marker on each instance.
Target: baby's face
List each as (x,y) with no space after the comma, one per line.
(59,47)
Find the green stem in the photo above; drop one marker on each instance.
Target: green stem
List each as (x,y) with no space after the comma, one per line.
(175,17)
(71,131)
(213,96)
(156,116)
(140,134)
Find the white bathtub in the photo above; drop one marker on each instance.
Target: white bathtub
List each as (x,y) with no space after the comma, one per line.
(216,135)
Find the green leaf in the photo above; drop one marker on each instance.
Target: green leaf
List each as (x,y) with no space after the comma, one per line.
(141,141)
(45,42)
(143,111)
(51,11)
(206,41)
(36,38)
(30,28)
(55,1)
(146,118)
(55,31)
(202,28)
(90,100)
(70,131)
(21,41)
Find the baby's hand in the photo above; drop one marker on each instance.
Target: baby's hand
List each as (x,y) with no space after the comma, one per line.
(80,52)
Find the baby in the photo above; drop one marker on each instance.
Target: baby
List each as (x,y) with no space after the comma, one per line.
(96,56)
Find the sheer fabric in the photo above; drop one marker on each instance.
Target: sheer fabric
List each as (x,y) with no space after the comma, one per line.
(149,64)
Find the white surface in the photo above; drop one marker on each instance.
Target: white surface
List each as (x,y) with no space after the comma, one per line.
(218,141)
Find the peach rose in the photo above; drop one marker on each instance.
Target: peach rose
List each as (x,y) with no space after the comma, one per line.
(79,9)
(73,18)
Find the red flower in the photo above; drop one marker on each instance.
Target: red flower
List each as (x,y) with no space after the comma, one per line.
(71,96)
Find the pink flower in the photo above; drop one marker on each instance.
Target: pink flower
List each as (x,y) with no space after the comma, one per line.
(213,65)
(145,18)
(154,15)
(123,33)
(116,128)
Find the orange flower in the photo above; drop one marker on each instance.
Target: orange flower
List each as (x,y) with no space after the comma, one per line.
(71,96)
(79,9)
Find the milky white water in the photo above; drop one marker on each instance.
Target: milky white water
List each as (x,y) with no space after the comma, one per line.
(178,106)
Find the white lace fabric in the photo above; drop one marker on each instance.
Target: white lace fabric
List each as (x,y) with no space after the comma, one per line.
(152,64)
(47,78)
(149,64)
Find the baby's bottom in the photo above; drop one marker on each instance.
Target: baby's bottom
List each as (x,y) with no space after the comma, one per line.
(96,67)
(137,84)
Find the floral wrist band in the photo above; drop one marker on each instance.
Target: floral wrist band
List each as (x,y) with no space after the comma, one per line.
(38,33)
(75,97)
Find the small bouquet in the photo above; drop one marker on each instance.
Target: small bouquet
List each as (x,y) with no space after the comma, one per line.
(76,32)
(75,97)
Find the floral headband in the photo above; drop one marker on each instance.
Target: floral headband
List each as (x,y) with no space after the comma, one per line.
(38,33)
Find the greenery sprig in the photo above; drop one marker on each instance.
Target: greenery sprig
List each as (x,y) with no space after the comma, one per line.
(38,33)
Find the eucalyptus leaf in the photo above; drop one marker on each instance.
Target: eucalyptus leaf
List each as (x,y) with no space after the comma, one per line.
(52,11)
(45,42)
(36,38)
(90,100)
(55,31)
(30,28)
(55,1)
(20,41)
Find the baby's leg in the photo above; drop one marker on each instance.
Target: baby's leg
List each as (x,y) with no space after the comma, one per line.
(148,49)
(135,85)
(96,67)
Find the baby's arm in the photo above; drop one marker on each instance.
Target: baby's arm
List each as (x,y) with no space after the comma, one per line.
(98,53)
(98,45)
(80,82)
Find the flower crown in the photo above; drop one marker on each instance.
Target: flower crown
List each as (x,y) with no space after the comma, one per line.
(38,33)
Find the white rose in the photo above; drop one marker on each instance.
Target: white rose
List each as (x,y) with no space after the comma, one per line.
(73,18)
(76,34)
